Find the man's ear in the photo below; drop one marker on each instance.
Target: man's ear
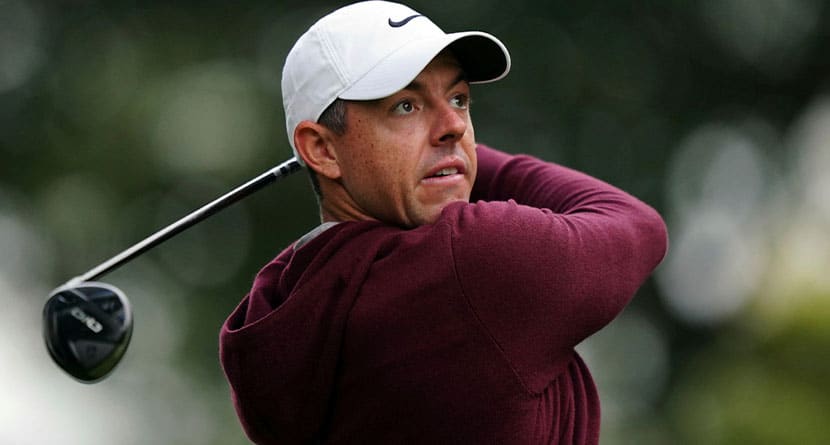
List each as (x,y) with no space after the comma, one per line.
(314,145)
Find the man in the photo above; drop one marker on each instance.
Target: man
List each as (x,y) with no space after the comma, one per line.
(441,299)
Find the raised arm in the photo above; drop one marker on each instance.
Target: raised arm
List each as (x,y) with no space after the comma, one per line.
(549,256)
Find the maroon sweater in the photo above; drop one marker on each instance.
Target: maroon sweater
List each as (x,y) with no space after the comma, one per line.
(460,331)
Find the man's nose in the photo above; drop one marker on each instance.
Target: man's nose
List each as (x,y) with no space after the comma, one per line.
(449,126)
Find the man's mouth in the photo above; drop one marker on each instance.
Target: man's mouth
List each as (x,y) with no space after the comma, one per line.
(445,172)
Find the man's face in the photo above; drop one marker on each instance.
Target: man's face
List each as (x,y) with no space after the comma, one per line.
(405,157)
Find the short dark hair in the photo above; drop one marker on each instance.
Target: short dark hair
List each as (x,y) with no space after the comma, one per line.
(333,118)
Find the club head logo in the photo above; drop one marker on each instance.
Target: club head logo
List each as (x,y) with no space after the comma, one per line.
(88,320)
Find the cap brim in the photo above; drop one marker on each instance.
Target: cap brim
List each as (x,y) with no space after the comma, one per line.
(482,56)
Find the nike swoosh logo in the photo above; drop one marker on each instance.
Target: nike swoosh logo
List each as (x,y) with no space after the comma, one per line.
(398,24)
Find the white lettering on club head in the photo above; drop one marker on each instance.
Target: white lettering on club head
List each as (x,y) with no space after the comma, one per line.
(88,320)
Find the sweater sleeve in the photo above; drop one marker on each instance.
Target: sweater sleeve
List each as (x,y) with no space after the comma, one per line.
(548,257)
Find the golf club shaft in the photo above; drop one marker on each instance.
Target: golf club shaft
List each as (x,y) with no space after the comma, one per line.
(255,184)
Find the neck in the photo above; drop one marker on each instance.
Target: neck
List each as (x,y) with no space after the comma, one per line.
(336,205)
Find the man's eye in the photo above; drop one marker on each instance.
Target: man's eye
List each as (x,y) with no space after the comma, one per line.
(460,101)
(404,107)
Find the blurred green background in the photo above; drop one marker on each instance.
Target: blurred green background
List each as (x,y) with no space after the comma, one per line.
(118,117)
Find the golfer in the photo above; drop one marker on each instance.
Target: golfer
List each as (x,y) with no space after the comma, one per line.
(440,300)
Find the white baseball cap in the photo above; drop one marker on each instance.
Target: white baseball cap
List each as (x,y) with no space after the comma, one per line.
(371,50)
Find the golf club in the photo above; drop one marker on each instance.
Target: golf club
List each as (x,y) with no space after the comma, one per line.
(87,324)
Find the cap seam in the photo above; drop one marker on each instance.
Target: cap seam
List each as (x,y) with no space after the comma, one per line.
(331,55)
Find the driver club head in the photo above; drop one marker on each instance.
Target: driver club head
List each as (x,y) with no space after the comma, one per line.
(87,327)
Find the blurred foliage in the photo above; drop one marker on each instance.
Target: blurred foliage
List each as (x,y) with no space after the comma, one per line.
(118,117)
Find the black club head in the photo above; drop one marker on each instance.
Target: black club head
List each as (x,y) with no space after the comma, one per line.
(87,327)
